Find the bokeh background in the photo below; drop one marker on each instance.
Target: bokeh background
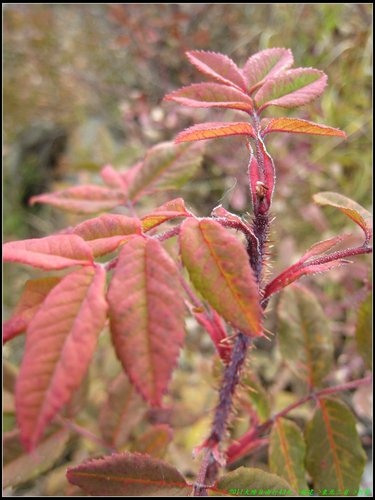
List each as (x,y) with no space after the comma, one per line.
(83,86)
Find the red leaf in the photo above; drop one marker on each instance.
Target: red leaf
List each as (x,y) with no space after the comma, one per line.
(170,210)
(266,64)
(128,474)
(217,66)
(60,342)
(215,327)
(122,411)
(219,268)
(51,252)
(85,199)
(261,179)
(212,130)
(208,95)
(298,126)
(112,177)
(33,295)
(294,87)
(105,233)
(295,272)
(147,315)
(323,246)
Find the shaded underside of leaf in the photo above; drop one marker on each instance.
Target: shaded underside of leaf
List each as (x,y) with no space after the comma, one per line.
(105,233)
(299,126)
(255,482)
(334,454)
(166,166)
(86,199)
(33,295)
(213,130)
(265,64)
(147,315)
(287,453)
(154,441)
(25,466)
(128,474)
(121,412)
(219,268)
(349,207)
(208,95)
(169,210)
(60,342)
(305,338)
(49,253)
(217,66)
(294,87)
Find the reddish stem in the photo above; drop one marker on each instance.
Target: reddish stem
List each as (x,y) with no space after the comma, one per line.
(248,442)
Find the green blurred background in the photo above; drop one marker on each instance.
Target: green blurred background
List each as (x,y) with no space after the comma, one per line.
(83,86)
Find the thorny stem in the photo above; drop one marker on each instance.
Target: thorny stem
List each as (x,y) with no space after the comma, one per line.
(240,448)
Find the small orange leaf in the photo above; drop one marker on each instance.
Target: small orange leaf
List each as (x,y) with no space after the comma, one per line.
(212,130)
(298,126)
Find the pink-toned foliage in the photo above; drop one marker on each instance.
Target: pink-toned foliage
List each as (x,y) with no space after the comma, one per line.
(145,291)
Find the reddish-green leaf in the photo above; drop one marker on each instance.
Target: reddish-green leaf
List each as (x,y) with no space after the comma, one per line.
(105,233)
(51,252)
(349,207)
(266,64)
(363,332)
(208,95)
(167,211)
(33,295)
(86,199)
(335,458)
(217,66)
(304,335)
(60,342)
(294,87)
(24,466)
(213,130)
(128,474)
(322,247)
(219,268)
(122,411)
(247,481)
(298,126)
(147,315)
(155,441)
(287,453)
(166,166)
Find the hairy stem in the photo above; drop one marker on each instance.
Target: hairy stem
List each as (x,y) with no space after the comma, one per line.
(212,461)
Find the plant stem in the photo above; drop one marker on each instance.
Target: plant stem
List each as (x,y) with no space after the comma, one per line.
(212,461)
(246,442)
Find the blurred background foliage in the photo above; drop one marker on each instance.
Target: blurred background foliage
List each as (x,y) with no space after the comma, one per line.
(83,86)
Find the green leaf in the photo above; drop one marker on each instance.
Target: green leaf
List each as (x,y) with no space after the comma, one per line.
(305,339)
(287,453)
(352,209)
(334,454)
(257,395)
(363,332)
(128,474)
(246,481)
(219,268)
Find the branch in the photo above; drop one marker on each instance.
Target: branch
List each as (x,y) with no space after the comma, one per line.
(250,440)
